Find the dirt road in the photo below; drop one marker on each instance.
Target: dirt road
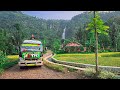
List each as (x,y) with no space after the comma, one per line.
(37,73)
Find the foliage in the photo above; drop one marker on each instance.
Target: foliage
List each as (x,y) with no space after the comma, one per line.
(3,40)
(71,69)
(12,57)
(52,29)
(81,48)
(2,59)
(100,27)
(97,26)
(54,66)
(114,33)
(91,73)
(106,75)
(1,70)
(17,36)
(60,51)
(56,45)
(7,62)
(111,55)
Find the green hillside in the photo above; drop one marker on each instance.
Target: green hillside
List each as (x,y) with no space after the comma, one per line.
(51,30)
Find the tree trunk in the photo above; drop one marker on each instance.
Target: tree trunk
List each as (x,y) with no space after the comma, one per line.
(96,46)
(103,47)
(116,46)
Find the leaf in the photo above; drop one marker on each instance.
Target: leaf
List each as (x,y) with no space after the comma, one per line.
(98,31)
(87,28)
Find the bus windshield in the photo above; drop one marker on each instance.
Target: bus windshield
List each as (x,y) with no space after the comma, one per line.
(31,47)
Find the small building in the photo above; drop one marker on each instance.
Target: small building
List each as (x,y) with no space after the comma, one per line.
(74,47)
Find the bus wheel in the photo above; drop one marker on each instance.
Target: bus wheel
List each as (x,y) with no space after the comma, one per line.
(22,67)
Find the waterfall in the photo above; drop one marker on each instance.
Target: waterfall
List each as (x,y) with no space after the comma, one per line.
(63,35)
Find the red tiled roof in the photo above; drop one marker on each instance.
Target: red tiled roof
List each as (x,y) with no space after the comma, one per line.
(73,44)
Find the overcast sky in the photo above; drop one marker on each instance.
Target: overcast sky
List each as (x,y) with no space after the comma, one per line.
(66,15)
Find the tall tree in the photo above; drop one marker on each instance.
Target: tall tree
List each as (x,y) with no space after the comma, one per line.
(17,36)
(97,26)
(3,40)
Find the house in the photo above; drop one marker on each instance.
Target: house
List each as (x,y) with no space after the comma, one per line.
(74,47)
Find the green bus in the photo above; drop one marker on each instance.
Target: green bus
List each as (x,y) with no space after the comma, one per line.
(31,52)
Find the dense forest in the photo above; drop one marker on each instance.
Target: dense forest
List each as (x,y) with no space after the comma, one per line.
(16,26)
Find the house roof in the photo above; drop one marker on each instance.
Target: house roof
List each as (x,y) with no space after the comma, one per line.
(73,44)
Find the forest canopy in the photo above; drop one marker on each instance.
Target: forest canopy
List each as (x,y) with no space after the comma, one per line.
(16,27)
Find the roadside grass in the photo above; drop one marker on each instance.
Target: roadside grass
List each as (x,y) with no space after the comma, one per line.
(9,61)
(58,68)
(91,73)
(53,66)
(12,57)
(105,59)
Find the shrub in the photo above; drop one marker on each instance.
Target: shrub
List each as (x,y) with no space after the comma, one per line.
(112,55)
(7,62)
(54,66)
(2,59)
(1,70)
(89,72)
(81,48)
(106,75)
(71,69)
(60,52)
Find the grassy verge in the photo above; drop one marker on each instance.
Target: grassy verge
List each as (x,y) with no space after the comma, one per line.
(105,59)
(53,66)
(58,67)
(9,61)
(91,73)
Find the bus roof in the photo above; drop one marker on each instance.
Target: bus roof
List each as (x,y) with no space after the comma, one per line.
(32,42)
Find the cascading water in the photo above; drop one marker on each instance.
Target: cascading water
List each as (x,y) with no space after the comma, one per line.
(63,38)
(63,35)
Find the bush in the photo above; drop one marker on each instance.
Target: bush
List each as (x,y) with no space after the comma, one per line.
(54,66)
(89,72)
(2,59)
(71,69)
(106,75)
(81,48)
(60,52)
(7,62)
(112,55)
(1,70)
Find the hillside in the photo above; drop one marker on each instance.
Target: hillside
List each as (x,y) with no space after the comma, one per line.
(51,30)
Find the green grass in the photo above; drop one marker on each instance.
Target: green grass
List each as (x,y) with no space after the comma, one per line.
(12,57)
(105,59)
(10,61)
(91,73)
(54,66)
(58,67)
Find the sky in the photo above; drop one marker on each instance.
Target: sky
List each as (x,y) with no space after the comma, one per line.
(65,15)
